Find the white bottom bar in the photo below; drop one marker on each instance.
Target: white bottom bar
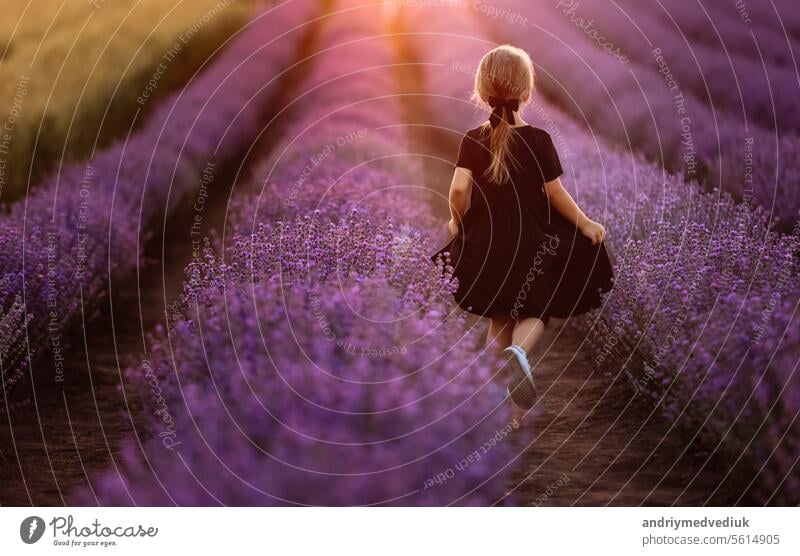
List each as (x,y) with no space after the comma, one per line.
(402,531)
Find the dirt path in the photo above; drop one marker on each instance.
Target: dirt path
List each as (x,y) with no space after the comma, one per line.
(594,442)
(597,443)
(76,433)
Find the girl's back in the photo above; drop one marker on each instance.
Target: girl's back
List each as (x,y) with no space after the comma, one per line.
(503,216)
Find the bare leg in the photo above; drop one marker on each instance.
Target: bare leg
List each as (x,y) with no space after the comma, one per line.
(500,331)
(527,333)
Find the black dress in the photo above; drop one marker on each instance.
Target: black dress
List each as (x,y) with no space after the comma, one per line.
(516,255)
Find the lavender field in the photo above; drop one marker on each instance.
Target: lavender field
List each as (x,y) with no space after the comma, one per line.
(232,300)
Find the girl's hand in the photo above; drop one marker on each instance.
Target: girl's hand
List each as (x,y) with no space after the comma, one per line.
(453,227)
(594,231)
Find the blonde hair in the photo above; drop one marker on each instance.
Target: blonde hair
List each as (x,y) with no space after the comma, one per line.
(505,73)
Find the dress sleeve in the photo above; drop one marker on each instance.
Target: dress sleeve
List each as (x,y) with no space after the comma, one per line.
(548,159)
(466,153)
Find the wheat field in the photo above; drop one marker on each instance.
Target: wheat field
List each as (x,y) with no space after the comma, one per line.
(73,74)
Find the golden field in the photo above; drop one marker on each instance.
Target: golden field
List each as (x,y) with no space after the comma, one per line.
(74,74)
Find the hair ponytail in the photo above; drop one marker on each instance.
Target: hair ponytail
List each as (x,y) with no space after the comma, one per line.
(500,146)
(504,79)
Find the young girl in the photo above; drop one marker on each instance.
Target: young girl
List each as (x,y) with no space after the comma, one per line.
(522,250)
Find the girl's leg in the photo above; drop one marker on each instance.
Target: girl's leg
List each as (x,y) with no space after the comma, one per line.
(527,333)
(500,331)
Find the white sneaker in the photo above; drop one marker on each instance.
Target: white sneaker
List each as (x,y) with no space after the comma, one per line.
(523,359)
(517,372)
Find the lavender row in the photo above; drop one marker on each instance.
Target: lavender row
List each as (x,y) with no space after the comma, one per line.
(319,385)
(60,246)
(757,30)
(703,316)
(747,89)
(347,146)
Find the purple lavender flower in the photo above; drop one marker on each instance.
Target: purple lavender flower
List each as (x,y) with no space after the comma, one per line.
(330,375)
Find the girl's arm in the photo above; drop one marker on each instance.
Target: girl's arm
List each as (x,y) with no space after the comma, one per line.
(565,204)
(460,189)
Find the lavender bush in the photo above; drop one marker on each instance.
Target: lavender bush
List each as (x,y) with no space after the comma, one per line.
(318,368)
(12,328)
(346,147)
(742,87)
(60,246)
(736,26)
(336,160)
(703,309)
